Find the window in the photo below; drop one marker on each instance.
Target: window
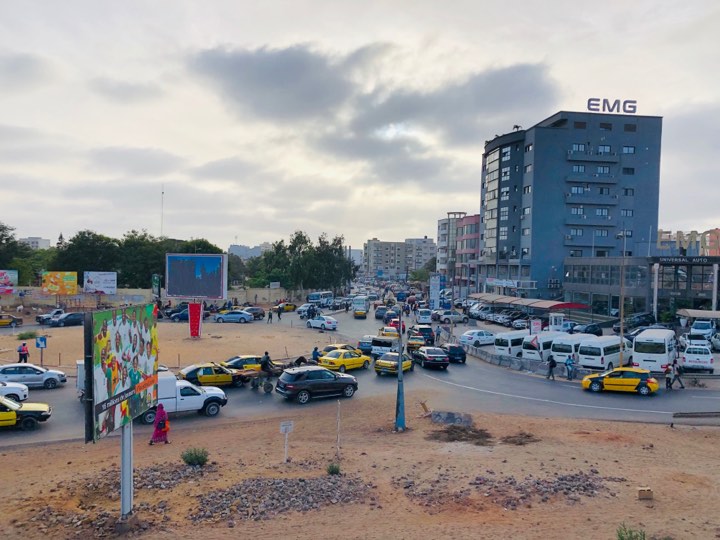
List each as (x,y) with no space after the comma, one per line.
(578,168)
(525,253)
(526,231)
(604,191)
(526,211)
(504,193)
(504,213)
(601,211)
(527,189)
(628,170)
(577,210)
(628,192)
(576,232)
(627,233)
(577,190)
(576,252)
(603,169)
(628,149)
(601,253)
(189,391)
(528,168)
(603,149)
(630,128)
(605,126)
(505,154)
(503,233)
(626,213)
(601,232)
(505,174)
(578,147)
(528,147)
(580,125)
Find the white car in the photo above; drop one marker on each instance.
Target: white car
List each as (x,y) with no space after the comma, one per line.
(704,327)
(477,338)
(15,391)
(521,324)
(715,342)
(424,316)
(697,359)
(694,340)
(32,375)
(323,322)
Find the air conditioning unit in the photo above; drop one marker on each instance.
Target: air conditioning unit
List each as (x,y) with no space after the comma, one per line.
(584,216)
(615,196)
(568,237)
(522,216)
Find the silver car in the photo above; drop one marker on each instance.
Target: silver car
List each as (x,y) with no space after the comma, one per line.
(32,375)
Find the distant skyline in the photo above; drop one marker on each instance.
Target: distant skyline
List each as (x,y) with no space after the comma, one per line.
(362,119)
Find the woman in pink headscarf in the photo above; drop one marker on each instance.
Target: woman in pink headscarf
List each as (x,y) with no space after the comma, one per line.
(162,426)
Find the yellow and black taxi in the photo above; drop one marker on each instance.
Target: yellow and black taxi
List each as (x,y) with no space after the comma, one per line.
(211,374)
(342,360)
(243,361)
(388,331)
(415,342)
(25,415)
(285,307)
(622,379)
(9,321)
(387,364)
(340,346)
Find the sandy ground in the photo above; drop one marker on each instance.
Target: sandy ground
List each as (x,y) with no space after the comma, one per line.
(679,464)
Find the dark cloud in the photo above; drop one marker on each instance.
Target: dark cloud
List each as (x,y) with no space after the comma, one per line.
(124,91)
(135,161)
(294,83)
(22,72)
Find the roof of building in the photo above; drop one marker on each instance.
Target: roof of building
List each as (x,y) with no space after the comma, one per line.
(535,303)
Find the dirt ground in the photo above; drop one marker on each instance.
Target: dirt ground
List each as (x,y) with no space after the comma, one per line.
(419,487)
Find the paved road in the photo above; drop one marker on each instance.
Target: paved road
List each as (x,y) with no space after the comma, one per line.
(473,386)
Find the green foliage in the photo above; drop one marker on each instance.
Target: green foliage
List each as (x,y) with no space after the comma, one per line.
(30,334)
(420,275)
(88,250)
(10,248)
(333,468)
(431,265)
(626,533)
(195,457)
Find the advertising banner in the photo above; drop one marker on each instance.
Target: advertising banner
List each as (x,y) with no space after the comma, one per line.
(60,283)
(124,366)
(156,284)
(8,281)
(100,282)
(195,316)
(434,292)
(196,276)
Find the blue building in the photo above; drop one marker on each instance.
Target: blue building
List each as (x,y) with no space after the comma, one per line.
(577,184)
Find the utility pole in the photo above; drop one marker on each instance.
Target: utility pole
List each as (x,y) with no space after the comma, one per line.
(400,402)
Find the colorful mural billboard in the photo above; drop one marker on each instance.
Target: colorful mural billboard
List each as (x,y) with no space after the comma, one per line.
(8,281)
(124,366)
(60,283)
(196,275)
(100,282)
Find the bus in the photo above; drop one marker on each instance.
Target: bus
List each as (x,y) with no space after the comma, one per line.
(654,349)
(361,306)
(322,298)
(602,352)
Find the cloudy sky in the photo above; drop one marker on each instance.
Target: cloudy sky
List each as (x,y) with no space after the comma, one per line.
(362,119)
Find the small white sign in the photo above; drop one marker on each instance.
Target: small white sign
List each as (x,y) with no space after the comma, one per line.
(535,326)
(286,426)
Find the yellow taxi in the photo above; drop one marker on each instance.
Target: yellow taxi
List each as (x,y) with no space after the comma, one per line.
(340,360)
(285,306)
(10,321)
(388,362)
(211,374)
(25,415)
(341,346)
(388,331)
(622,379)
(415,342)
(243,361)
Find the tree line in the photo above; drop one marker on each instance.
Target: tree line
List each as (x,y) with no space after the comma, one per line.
(297,264)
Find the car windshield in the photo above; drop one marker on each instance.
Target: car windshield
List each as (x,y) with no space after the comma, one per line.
(334,354)
(389,357)
(702,325)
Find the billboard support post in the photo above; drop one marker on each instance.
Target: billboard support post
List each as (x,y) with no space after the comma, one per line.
(126,471)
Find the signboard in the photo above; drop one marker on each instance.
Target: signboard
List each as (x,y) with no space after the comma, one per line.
(195,318)
(123,362)
(196,276)
(535,326)
(60,283)
(156,278)
(501,282)
(8,281)
(434,296)
(41,342)
(100,282)
(286,426)
(274,284)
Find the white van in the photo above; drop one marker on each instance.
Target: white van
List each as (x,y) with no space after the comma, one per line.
(537,346)
(382,344)
(510,343)
(654,349)
(564,346)
(602,352)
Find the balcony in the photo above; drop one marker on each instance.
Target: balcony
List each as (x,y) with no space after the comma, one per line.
(589,240)
(596,157)
(591,178)
(591,198)
(584,220)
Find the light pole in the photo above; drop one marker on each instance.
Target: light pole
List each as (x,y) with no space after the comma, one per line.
(622,295)
(400,401)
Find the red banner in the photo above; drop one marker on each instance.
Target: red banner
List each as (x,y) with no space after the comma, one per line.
(195,314)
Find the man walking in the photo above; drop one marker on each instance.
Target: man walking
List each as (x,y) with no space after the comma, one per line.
(280,308)
(677,371)
(23,353)
(569,366)
(269,318)
(552,364)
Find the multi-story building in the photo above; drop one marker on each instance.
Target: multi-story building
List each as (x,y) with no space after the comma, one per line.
(396,259)
(447,244)
(418,251)
(574,185)
(466,254)
(35,242)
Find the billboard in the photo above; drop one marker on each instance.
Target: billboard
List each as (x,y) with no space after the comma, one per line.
(60,283)
(100,282)
(195,275)
(8,281)
(123,363)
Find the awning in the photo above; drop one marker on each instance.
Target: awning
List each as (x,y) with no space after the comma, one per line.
(534,303)
(699,313)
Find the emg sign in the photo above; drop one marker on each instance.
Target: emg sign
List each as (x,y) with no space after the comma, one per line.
(627,106)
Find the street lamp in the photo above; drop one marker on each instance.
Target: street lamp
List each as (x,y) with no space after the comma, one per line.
(400,401)
(622,235)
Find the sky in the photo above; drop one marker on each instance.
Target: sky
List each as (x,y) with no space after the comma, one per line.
(242,122)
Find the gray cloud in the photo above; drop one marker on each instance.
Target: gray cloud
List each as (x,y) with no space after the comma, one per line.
(22,72)
(294,83)
(135,161)
(124,91)
(232,168)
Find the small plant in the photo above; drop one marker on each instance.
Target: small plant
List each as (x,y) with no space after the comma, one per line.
(24,336)
(626,533)
(195,457)
(333,468)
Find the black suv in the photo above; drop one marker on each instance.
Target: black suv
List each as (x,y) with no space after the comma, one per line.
(380,312)
(591,328)
(455,353)
(257,312)
(308,382)
(632,322)
(425,331)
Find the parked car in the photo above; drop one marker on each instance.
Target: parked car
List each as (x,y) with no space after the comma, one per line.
(9,321)
(365,344)
(692,340)
(715,342)
(25,415)
(704,327)
(257,312)
(521,323)
(591,328)
(45,318)
(235,316)
(387,364)
(69,319)
(323,322)
(303,310)
(180,316)
(697,358)
(32,376)
(633,321)
(15,391)
(622,379)
(455,353)
(477,338)
(423,316)
(425,330)
(451,316)
(390,314)
(431,357)
(341,360)
(309,382)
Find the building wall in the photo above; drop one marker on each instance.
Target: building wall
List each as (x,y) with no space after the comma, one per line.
(467,253)
(35,242)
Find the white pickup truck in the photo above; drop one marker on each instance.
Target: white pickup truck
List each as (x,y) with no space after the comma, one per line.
(47,317)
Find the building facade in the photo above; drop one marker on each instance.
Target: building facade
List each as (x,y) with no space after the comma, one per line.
(575,185)
(467,251)
(396,260)
(447,244)
(419,251)
(35,242)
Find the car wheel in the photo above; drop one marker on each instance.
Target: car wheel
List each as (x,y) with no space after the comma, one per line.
(268,387)
(378,373)
(349,391)
(610,366)
(444,367)
(28,423)
(447,321)
(303,397)
(322,327)
(61,323)
(212,409)
(463,360)
(175,319)
(366,364)
(50,384)
(221,320)
(595,386)
(148,416)
(309,325)
(476,344)
(13,397)
(239,382)
(643,390)
(243,321)
(13,324)
(341,369)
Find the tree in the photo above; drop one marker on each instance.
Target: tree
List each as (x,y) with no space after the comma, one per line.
(236,269)
(141,256)
(10,248)
(431,265)
(88,251)
(420,275)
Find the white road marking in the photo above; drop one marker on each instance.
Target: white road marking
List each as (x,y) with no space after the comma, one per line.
(545,400)
(705,397)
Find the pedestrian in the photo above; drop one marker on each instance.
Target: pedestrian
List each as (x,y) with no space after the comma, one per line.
(162,426)
(677,371)
(552,364)
(569,366)
(668,377)
(23,353)
(279,312)
(256,299)
(269,316)
(316,355)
